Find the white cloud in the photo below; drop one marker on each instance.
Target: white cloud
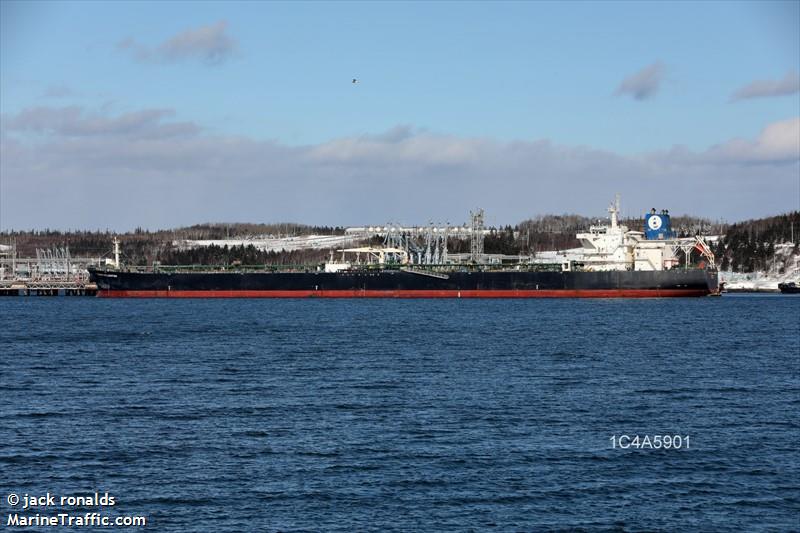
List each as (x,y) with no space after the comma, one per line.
(790,84)
(93,170)
(643,84)
(778,142)
(420,148)
(74,121)
(209,44)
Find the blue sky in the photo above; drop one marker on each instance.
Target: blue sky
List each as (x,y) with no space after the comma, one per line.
(504,74)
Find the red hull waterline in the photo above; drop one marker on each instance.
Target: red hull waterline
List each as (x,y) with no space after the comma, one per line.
(600,293)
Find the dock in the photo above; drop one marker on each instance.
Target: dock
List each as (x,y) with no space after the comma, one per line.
(53,272)
(47,288)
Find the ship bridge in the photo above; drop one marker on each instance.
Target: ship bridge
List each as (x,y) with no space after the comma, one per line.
(604,247)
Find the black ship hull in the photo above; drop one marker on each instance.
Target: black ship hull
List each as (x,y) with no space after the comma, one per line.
(406,284)
(789,288)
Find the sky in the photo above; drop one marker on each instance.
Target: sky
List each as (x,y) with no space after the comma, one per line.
(116,115)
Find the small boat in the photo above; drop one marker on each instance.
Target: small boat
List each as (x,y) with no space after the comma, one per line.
(789,288)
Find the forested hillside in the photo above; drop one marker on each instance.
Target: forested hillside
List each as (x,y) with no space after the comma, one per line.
(751,245)
(142,247)
(746,246)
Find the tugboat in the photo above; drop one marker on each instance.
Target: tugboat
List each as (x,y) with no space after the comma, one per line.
(789,288)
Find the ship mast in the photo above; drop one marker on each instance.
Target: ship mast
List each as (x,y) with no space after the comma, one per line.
(614,210)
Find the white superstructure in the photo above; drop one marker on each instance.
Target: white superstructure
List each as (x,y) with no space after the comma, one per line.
(615,247)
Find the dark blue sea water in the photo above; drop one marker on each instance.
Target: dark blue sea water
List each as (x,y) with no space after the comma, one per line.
(427,415)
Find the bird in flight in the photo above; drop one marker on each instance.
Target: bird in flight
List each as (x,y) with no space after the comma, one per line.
(355,80)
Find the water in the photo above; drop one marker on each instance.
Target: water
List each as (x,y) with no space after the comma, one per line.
(380,415)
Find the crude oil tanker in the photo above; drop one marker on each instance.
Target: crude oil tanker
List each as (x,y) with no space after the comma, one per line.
(613,262)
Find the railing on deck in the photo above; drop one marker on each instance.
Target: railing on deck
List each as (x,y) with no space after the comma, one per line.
(440,268)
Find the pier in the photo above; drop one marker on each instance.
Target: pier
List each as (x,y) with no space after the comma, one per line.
(47,288)
(53,272)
